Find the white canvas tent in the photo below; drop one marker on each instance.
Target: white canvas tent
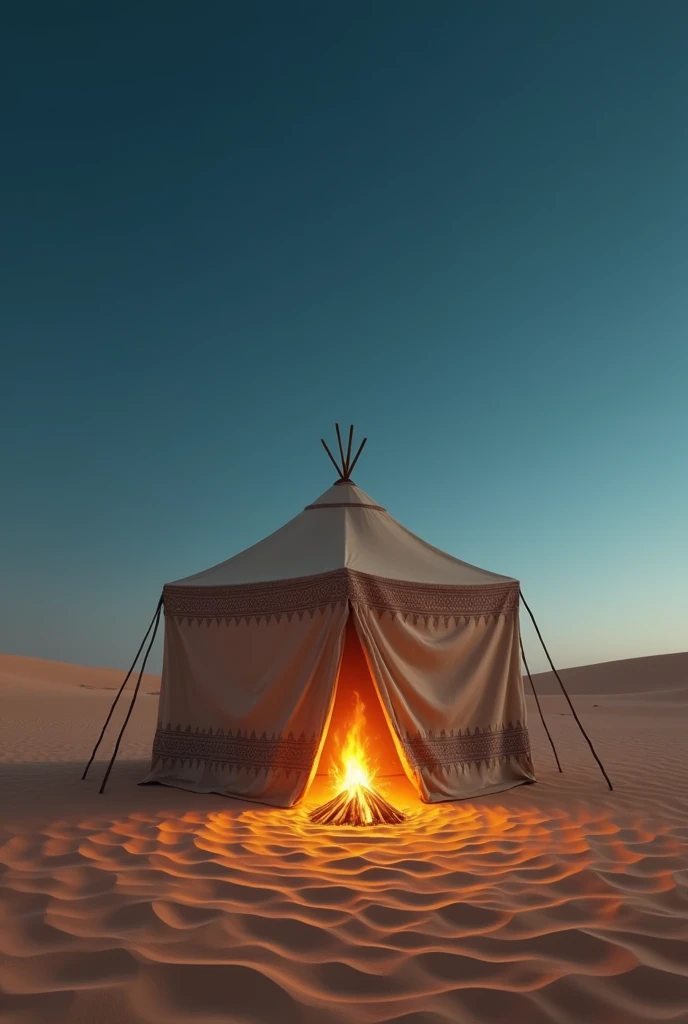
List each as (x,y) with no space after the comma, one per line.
(254,655)
(262,651)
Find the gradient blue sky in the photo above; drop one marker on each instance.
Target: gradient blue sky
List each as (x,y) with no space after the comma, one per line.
(462,226)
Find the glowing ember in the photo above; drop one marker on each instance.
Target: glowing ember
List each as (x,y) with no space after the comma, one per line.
(355,801)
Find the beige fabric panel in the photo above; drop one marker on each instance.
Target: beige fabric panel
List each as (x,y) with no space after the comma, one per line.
(454,693)
(243,706)
(344,529)
(378,545)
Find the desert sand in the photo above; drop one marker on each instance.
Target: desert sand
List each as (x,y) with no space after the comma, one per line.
(558,902)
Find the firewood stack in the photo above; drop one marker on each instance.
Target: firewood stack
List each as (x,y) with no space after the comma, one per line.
(359,805)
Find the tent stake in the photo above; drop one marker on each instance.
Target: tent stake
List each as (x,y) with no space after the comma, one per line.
(563,689)
(119,692)
(133,699)
(537,701)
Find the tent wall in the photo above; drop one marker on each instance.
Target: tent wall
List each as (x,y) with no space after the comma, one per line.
(453,690)
(250,673)
(244,704)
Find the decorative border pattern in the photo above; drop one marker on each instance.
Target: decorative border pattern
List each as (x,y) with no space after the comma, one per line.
(426,601)
(446,750)
(344,504)
(235,750)
(433,600)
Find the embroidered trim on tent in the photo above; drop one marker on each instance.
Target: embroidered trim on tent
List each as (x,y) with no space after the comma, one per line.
(447,749)
(427,601)
(345,504)
(237,750)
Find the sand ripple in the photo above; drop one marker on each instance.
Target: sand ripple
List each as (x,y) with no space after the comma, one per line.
(557,903)
(464,913)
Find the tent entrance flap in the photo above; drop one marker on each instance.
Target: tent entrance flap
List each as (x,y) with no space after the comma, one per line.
(354,678)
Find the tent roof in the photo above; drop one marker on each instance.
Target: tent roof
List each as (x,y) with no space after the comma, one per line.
(343,529)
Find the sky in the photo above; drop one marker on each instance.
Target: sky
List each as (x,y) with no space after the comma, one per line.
(461,226)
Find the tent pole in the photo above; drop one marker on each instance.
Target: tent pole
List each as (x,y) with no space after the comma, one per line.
(537,701)
(563,689)
(134,696)
(340,472)
(350,469)
(119,692)
(341,448)
(348,450)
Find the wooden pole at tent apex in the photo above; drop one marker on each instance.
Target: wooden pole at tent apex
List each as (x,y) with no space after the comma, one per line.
(341,446)
(348,447)
(347,463)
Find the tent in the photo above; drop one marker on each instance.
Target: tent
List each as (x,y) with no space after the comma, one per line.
(261,650)
(264,653)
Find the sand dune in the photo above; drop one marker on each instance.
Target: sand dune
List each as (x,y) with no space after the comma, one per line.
(15,669)
(660,672)
(560,902)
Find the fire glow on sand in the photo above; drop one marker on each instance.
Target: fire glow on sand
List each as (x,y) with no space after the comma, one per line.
(356,802)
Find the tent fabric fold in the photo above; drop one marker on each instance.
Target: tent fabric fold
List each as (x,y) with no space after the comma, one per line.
(454,694)
(243,707)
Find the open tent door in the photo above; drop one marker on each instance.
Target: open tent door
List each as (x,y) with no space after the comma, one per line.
(354,678)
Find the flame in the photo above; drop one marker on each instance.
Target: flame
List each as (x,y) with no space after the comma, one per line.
(355,770)
(355,801)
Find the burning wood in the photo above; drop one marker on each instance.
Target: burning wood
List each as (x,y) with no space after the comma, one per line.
(362,806)
(356,802)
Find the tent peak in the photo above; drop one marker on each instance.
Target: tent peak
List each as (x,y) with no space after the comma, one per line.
(347,463)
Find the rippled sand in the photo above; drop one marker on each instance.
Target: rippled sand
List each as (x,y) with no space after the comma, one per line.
(556,902)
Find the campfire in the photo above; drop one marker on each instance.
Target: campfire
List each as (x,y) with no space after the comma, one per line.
(356,802)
